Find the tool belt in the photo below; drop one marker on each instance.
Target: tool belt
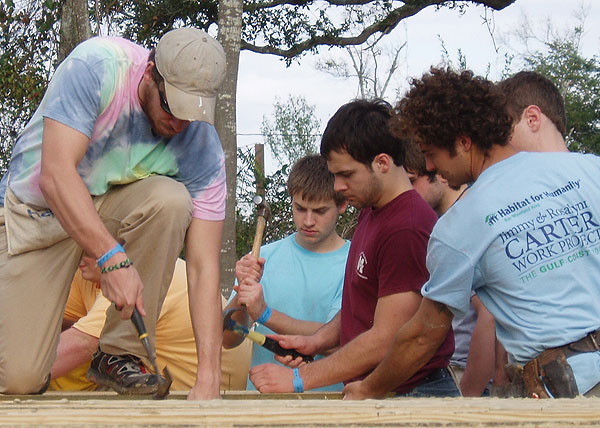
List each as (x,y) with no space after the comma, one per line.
(551,370)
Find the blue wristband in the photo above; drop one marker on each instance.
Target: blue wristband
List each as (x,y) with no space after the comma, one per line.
(265,316)
(116,249)
(298,384)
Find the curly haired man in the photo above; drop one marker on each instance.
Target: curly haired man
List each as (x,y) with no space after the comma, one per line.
(525,238)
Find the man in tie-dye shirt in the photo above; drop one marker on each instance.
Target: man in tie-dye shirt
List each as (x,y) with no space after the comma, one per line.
(121,162)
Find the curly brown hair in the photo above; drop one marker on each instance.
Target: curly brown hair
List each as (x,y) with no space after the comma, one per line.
(444,105)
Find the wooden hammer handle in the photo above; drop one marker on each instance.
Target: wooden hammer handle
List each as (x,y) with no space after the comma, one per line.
(260,230)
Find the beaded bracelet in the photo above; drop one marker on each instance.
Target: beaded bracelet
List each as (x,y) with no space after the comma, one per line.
(124,264)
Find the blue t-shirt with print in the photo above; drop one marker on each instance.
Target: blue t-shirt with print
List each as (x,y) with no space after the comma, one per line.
(526,239)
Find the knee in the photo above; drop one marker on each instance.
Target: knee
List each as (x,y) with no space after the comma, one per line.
(171,198)
(24,382)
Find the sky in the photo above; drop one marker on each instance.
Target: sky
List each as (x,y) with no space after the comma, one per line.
(265,78)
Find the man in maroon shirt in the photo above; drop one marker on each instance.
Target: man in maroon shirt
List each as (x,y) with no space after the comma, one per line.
(385,268)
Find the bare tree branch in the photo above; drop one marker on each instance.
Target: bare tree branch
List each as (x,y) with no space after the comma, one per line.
(384,26)
(252,7)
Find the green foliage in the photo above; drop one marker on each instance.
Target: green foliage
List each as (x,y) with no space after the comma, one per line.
(578,80)
(27,52)
(294,131)
(281,223)
(145,22)
(292,134)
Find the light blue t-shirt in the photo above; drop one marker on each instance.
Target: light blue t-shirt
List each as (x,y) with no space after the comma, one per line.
(303,285)
(526,239)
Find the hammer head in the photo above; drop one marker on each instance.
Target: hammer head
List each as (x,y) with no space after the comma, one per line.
(262,207)
(164,384)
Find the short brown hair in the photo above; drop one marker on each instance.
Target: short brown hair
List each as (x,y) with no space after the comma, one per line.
(155,74)
(311,179)
(415,161)
(530,88)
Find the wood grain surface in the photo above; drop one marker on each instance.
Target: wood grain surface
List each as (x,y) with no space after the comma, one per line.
(292,410)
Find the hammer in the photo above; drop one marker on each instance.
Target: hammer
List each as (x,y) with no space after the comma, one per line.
(262,213)
(260,339)
(164,383)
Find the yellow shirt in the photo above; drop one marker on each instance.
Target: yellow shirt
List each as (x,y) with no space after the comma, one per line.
(175,344)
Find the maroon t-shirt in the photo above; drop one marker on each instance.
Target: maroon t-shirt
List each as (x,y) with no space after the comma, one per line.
(387,256)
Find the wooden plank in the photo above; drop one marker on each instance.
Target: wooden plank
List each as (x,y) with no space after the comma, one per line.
(174,395)
(400,412)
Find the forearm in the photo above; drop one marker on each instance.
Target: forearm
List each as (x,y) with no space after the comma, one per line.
(414,345)
(501,360)
(481,358)
(203,243)
(354,359)
(281,323)
(231,339)
(205,305)
(73,207)
(328,336)
(74,349)
(65,192)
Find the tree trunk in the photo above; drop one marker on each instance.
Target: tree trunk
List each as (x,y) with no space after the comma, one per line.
(230,36)
(74,26)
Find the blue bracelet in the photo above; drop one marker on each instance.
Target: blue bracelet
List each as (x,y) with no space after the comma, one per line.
(116,249)
(298,384)
(265,316)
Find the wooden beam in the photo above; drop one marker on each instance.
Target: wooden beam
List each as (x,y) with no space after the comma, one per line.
(57,410)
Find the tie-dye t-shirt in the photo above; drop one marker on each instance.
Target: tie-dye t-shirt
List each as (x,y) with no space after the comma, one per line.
(95,91)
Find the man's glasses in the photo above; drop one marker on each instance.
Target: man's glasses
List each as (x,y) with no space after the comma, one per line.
(163,102)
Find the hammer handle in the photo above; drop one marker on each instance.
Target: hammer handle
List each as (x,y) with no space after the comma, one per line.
(264,341)
(138,322)
(260,230)
(274,346)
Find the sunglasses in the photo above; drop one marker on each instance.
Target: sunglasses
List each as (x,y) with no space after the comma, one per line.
(163,102)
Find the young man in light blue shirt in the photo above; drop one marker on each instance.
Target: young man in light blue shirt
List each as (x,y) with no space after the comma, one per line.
(296,285)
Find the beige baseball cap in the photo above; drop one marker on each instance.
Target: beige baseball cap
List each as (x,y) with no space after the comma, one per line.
(192,64)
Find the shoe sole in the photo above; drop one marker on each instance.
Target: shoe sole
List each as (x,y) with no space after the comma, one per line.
(98,378)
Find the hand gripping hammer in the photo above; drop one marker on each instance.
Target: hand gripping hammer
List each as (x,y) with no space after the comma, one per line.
(258,338)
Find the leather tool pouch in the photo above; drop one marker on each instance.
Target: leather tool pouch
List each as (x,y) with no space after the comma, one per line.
(516,387)
(552,368)
(533,383)
(557,374)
